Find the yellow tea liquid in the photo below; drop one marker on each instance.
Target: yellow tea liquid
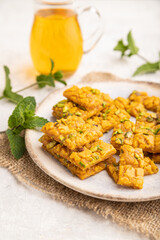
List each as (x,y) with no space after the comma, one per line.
(56,34)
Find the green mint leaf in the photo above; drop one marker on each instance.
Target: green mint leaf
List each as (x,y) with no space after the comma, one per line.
(147,68)
(8,93)
(52,66)
(35,122)
(133,49)
(61,81)
(82,164)
(58,75)
(131,45)
(44,80)
(17,144)
(18,130)
(8,81)
(156,131)
(24,109)
(121,47)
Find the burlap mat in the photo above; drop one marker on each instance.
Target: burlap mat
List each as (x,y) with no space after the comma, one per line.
(143,217)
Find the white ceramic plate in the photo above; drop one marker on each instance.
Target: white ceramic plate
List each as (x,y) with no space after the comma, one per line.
(100,185)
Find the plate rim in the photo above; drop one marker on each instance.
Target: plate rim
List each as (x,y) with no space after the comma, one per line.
(88,78)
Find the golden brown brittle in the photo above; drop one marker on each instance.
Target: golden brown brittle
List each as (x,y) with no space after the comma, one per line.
(72,132)
(84,157)
(123,133)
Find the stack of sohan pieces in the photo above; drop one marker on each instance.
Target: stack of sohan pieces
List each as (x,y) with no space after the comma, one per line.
(86,115)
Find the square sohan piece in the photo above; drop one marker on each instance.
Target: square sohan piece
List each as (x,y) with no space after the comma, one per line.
(84,157)
(131,166)
(86,97)
(82,174)
(109,117)
(66,108)
(131,156)
(72,132)
(131,177)
(123,134)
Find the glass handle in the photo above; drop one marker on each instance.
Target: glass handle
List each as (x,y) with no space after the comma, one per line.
(99,35)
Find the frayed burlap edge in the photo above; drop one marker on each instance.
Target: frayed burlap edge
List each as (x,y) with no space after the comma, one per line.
(143,217)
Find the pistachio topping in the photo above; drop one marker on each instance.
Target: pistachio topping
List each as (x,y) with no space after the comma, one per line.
(134,92)
(65,109)
(104,116)
(117,112)
(71,135)
(149,119)
(141,114)
(93,90)
(119,141)
(78,114)
(104,104)
(96,157)
(128,134)
(99,148)
(147,128)
(156,131)
(82,164)
(117,132)
(60,105)
(124,120)
(137,156)
(96,148)
(61,138)
(83,108)
(93,149)
(51,145)
(107,111)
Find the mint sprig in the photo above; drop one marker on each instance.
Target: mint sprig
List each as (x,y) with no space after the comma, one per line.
(131,45)
(17,144)
(23,117)
(23,111)
(129,49)
(7,92)
(147,68)
(121,47)
(42,80)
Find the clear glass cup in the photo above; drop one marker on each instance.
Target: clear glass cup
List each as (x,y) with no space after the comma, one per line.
(56,35)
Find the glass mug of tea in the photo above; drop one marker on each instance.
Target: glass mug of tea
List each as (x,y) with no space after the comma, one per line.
(56,35)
